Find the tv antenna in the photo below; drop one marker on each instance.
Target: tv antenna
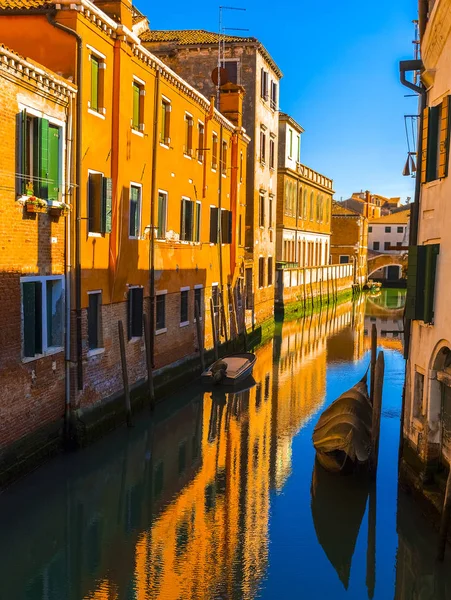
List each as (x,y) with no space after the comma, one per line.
(220,73)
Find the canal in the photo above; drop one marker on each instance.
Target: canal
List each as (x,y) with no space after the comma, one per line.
(217,496)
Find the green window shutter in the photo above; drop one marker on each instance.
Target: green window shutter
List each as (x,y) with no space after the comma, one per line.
(431,253)
(431,168)
(53,162)
(161,227)
(94,83)
(107,202)
(415,283)
(21,160)
(43,158)
(197,222)
(135,106)
(182,221)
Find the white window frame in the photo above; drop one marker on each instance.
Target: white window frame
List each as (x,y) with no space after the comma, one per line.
(163,329)
(95,351)
(138,185)
(184,289)
(198,286)
(166,194)
(102,65)
(46,350)
(167,102)
(186,154)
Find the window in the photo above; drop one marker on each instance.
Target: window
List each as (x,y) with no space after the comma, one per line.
(162,215)
(262,146)
(184,297)
(370,229)
(264,84)
(200,145)
(99,203)
(226,226)
(344,259)
(241,167)
(214,152)
(399,229)
(270,202)
(214,211)
(190,218)
(387,245)
(189,124)
(261,212)
(94,320)
(399,244)
(261,272)
(435,154)
(375,245)
(270,267)
(231,66)
(97,71)
(135,211)
(312,217)
(388,230)
(138,106)
(224,159)
(215,297)
(165,122)
(160,312)
(273,102)
(135,312)
(198,300)
(418,395)
(290,143)
(39,157)
(272,151)
(43,314)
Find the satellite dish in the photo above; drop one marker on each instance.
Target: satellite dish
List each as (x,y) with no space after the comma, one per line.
(219,76)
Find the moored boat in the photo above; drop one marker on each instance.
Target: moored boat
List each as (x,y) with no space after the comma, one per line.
(342,436)
(230,370)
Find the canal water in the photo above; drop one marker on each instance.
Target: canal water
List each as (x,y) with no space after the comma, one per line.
(217,496)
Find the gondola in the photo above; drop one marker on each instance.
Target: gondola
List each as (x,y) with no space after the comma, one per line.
(342,436)
(230,370)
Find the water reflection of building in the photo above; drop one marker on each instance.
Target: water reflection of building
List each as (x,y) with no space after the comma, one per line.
(180,509)
(386,312)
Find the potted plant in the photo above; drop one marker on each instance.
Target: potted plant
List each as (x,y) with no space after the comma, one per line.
(58,208)
(31,202)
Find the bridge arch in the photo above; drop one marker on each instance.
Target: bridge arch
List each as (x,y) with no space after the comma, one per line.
(378,261)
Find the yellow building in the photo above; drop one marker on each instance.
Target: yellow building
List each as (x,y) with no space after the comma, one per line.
(159,192)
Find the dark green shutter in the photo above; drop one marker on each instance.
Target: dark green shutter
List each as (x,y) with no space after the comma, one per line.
(107,204)
(433,133)
(53,162)
(29,318)
(182,221)
(432,251)
(43,158)
(135,312)
(22,166)
(161,228)
(213,225)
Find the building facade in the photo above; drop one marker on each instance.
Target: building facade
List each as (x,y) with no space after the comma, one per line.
(194,55)
(367,204)
(35,190)
(349,240)
(389,234)
(427,410)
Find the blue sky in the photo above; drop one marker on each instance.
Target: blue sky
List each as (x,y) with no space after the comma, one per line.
(341,83)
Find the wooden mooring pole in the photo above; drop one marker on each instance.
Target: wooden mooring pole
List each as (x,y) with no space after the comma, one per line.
(200,341)
(377,409)
(373,359)
(444,523)
(128,408)
(213,328)
(147,335)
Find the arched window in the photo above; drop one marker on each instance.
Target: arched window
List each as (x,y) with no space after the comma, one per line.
(305,205)
(300,206)
(287,196)
(312,215)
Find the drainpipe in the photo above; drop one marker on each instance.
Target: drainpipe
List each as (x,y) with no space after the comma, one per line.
(153,188)
(221,283)
(78,160)
(208,117)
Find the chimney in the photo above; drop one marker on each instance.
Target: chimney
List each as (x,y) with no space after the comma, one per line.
(120,11)
(231,103)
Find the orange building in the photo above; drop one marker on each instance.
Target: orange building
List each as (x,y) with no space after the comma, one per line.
(151,154)
(349,240)
(35,181)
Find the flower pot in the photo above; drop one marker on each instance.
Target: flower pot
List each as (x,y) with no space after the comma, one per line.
(31,208)
(54,211)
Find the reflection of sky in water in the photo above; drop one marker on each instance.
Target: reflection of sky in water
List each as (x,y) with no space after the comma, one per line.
(213,500)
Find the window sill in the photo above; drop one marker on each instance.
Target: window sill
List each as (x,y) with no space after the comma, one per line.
(223,175)
(134,237)
(94,234)
(134,339)
(187,156)
(184,324)
(164,146)
(213,170)
(95,352)
(96,114)
(160,331)
(49,352)
(137,132)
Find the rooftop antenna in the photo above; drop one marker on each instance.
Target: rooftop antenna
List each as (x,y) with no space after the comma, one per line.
(416,48)
(221,75)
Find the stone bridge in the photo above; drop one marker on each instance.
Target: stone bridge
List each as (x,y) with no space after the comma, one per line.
(377,260)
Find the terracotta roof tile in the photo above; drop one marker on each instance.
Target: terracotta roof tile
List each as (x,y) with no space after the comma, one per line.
(184,37)
(24,4)
(339,210)
(402,217)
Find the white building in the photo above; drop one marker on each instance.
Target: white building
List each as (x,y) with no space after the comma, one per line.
(389,235)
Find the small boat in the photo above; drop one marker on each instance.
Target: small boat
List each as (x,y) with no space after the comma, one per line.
(230,370)
(342,436)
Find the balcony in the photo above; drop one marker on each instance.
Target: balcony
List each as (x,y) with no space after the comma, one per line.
(313,176)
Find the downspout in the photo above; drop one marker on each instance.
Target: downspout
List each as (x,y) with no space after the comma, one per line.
(78,160)
(208,117)
(221,165)
(153,188)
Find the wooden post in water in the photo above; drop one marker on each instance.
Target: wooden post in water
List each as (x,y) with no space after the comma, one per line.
(373,359)
(321,289)
(149,362)
(444,523)
(243,316)
(213,328)
(128,408)
(223,316)
(200,341)
(305,293)
(311,285)
(234,316)
(371,546)
(377,409)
